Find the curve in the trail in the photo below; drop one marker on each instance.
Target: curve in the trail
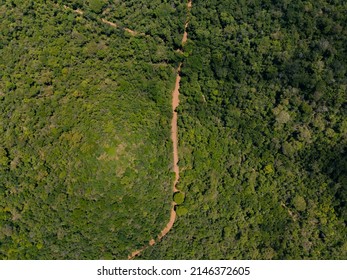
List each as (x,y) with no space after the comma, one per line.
(110,23)
(174,138)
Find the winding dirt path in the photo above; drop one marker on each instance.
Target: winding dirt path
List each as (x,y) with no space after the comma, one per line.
(115,25)
(174,138)
(174,127)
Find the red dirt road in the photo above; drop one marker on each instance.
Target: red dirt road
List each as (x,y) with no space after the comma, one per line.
(174,138)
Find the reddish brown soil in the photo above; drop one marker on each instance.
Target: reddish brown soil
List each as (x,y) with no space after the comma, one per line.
(174,138)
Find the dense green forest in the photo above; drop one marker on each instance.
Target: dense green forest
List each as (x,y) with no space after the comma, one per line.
(263,132)
(85,115)
(85,151)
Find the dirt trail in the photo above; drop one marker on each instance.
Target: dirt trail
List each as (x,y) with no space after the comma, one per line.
(185,34)
(174,128)
(132,32)
(80,12)
(77,11)
(174,138)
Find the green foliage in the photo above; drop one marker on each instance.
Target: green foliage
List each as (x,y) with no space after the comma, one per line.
(299,203)
(179,197)
(85,129)
(181,210)
(85,134)
(262,132)
(163,20)
(96,6)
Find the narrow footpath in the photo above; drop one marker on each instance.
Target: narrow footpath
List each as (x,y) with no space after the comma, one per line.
(174,138)
(115,25)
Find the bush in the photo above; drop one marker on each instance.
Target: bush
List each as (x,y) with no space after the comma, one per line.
(181,210)
(179,197)
(97,5)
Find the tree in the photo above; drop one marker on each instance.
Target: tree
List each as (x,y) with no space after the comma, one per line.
(179,197)
(97,5)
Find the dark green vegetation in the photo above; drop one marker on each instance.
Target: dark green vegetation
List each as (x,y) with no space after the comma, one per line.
(263,132)
(85,145)
(85,151)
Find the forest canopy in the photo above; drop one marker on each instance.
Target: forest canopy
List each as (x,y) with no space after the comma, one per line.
(85,116)
(263,132)
(85,152)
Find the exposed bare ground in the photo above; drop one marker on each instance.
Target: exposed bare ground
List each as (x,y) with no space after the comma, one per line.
(185,34)
(174,128)
(174,138)
(77,11)
(80,12)
(132,32)
(293,216)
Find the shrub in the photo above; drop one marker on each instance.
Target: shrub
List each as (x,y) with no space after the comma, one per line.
(179,197)
(97,5)
(181,210)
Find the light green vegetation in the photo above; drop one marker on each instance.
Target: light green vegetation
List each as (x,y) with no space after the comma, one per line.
(85,151)
(85,115)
